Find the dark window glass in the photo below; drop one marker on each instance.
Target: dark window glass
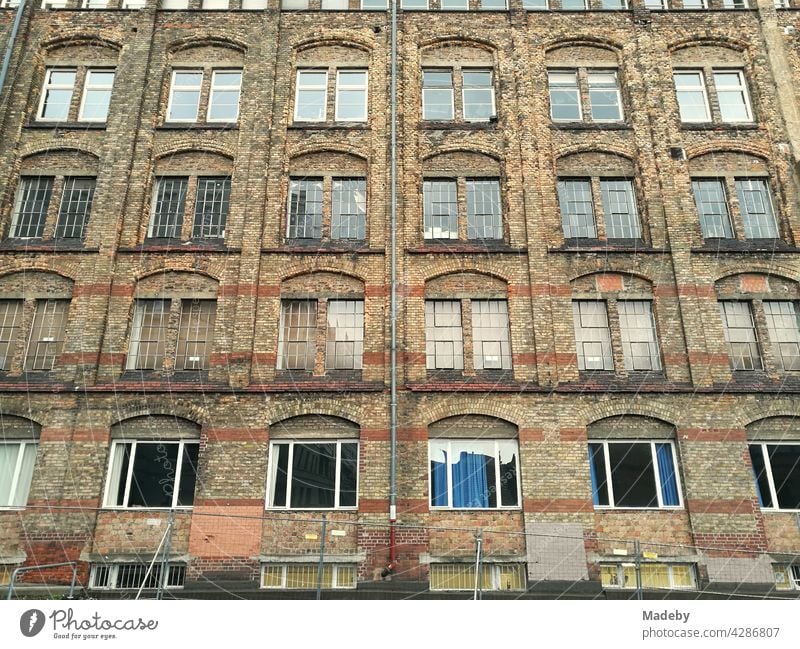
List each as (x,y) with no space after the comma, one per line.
(313,475)
(632,475)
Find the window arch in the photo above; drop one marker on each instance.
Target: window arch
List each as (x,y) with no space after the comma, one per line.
(34,306)
(174,314)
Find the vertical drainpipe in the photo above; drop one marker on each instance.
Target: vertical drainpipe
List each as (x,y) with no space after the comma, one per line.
(10,46)
(393,313)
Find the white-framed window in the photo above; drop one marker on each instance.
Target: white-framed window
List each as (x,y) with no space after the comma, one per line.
(215,4)
(565,98)
(592,335)
(732,95)
(619,208)
(133,576)
(254,5)
(491,347)
(30,207)
(741,335)
(755,204)
(474,474)
(437,94)
(638,330)
(151,474)
(695,4)
(444,345)
(17,461)
(313,474)
(304,576)
(134,4)
(376,5)
(414,4)
(634,474)
(310,102)
(174,4)
(150,348)
(9,4)
(184,96)
(712,207)
(577,208)
(95,4)
(787,577)
(344,344)
(783,326)
(223,102)
(461,576)
(493,5)
(654,576)
(454,5)
(656,5)
(776,470)
(351,96)
(477,94)
(47,335)
(690,88)
(59,84)
(605,100)
(574,5)
(340,5)
(96,99)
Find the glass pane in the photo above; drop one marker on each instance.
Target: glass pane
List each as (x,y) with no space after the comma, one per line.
(32,203)
(348,477)
(313,476)
(188,475)
(756,208)
(712,206)
(211,207)
(473,475)
(280,471)
(10,330)
(47,334)
(592,336)
(619,208)
(349,209)
(153,478)
(440,209)
(785,462)
(443,335)
(168,208)
(76,204)
(305,209)
(9,454)
(577,209)
(632,475)
(484,213)
(760,475)
(345,335)
(565,101)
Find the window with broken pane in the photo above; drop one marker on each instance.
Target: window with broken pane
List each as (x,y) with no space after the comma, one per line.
(444,346)
(592,335)
(490,335)
(296,344)
(305,208)
(344,346)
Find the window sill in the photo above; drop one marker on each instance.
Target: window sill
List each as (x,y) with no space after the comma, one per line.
(455,125)
(305,376)
(772,510)
(45,245)
(737,246)
(198,126)
(164,377)
(719,126)
(67,126)
(450,246)
(591,126)
(112,508)
(179,245)
(604,508)
(328,126)
(608,245)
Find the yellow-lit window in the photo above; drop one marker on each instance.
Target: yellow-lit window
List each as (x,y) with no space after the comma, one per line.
(653,575)
(303,576)
(461,576)
(5,575)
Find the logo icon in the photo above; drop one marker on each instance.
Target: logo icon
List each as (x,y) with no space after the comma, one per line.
(31,622)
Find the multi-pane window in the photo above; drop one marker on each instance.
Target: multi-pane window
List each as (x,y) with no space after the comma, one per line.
(297,335)
(654,576)
(444,345)
(484,214)
(343,327)
(151,474)
(439,87)
(783,326)
(491,348)
(305,209)
(577,211)
(30,208)
(306,576)
(754,208)
(168,207)
(638,331)
(47,334)
(344,345)
(786,577)
(776,469)
(60,85)
(17,461)
(156,345)
(461,576)
(634,474)
(490,340)
(617,207)
(474,474)
(593,93)
(349,209)
(350,93)
(10,330)
(211,207)
(133,576)
(313,475)
(76,204)
(217,90)
(592,335)
(740,334)
(694,88)
(441,207)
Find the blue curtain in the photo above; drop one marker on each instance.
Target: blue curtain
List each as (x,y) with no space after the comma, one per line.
(758,486)
(593,475)
(439,483)
(669,483)
(470,488)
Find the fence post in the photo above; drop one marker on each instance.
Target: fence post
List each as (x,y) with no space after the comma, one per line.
(164,576)
(638,550)
(321,556)
(478,593)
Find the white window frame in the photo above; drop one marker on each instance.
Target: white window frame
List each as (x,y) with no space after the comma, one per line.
(615,73)
(464,89)
(40,113)
(656,474)
(621,575)
(107,495)
(86,89)
(452,94)
(17,469)
(111,571)
(224,88)
(311,566)
(742,88)
(494,576)
(323,87)
(272,472)
(172,89)
(448,468)
(339,86)
(564,71)
(702,88)
(773,492)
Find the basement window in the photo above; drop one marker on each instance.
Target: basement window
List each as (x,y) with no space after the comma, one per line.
(654,576)
(787,577)
(642,474)
(305,576)
(128,576)
(461,576)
